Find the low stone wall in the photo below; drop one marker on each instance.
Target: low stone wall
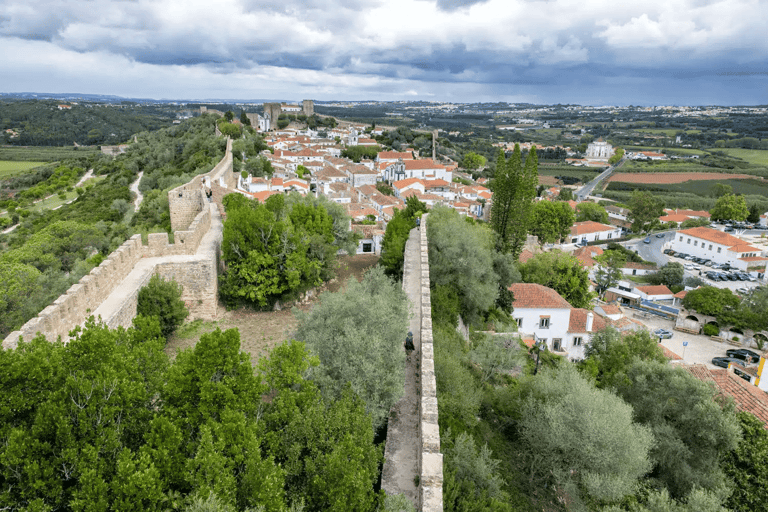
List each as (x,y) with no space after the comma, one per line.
(185,242)
(430,458)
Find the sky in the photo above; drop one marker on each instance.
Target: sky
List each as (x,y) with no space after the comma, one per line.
(589,52)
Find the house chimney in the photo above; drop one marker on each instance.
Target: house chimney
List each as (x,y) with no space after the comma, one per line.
(590,318)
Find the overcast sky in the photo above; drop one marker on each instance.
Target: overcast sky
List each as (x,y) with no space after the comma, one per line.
(591,52)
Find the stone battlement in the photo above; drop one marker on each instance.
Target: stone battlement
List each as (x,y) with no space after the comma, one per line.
(430,458)
(111,289)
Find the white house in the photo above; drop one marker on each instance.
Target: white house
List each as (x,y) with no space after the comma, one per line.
(590,231)
(719,247)
(543,313)
(371,238)
(655,293)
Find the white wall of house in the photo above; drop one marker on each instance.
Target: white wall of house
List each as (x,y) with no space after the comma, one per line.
(597,235)
(556,327)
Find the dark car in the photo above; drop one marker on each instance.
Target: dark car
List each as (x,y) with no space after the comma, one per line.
(744,354)
(723,362)
(661,235)
(647,240)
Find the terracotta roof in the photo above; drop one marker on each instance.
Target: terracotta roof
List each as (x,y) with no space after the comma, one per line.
(654,290)
(747,397)
(578,321)
(681,294)
(712,235)
(424,163)
(400,184)
(641,266)
(690,213)
(754,258)
(525,256)
(394,155)
(611,309)
(589,226)
(675,217)
(436,183)
(742,247)
(669,354)
(533,295)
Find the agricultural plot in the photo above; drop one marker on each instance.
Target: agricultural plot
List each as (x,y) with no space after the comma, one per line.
(9,168)
(700,187)
(42,153)
(677,177)
(753,156)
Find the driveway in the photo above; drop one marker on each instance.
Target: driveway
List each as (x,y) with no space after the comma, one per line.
(700,349)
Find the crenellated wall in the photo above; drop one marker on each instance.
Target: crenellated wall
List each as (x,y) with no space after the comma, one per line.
(430,458)
(111,289)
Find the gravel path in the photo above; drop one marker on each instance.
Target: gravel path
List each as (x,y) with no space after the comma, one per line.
(135,190)
(401,455)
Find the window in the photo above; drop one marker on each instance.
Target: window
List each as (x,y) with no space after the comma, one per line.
(557,344)
(695,243)
(577,341)
(367,247)
(519,322)
(634,271)
(689,241)
(544,322)
(718,249)
(710,247)
(681,239)
(574,240)
(609,235)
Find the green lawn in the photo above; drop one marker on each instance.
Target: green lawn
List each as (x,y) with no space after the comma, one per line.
(9,168)
(43,153)
(753,156)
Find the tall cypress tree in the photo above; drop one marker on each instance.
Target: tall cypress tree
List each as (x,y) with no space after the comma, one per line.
(514,189)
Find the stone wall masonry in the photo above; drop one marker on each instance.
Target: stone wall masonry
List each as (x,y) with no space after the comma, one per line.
(430,458)
(185,202)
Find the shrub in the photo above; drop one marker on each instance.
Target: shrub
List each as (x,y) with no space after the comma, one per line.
(162,299)
(711,330)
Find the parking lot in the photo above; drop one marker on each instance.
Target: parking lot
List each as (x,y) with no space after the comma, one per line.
(700,349)
(693,269)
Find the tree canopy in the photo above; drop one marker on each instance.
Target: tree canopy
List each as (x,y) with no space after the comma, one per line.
(730,207)
(561,272)
(591,211)
(551,221)
(514,189)
(710,300)
(645,210)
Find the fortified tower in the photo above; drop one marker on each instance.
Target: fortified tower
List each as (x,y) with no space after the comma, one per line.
(308,107)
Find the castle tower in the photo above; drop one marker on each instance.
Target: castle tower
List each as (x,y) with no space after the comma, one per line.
(308,107)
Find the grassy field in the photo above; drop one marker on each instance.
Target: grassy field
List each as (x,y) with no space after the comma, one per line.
(9,168)
(699,187)
(753,156)
(669,132)
(42,153)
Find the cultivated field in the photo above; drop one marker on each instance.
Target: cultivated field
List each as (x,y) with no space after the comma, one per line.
(753,156)
(674,177)
(42,153)
(9,168)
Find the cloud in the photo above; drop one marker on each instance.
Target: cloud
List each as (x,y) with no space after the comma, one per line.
(419,45)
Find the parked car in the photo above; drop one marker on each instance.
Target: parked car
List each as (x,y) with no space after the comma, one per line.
(723,362)
(744,354)
(752,278)
(661,235)
(667,251)
(663,334)
(688,258)
(647,240)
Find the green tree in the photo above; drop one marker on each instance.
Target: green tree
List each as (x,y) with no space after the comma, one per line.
(608,271)
(472,161)
(494,354)
(397,233)
(514,189)
(694,223)
(645,210)
(669,275)
(358,336)
(591,211)
(229,116)
(578,438)
(461,256)
(692,429)
(609,355)
(730,207)
(566,194)
(617,156)
(244,119)
(719,190)
(552,221)
(746,466)
(710,300)
(754,214)
(561,272)
(162,299)
(472,479)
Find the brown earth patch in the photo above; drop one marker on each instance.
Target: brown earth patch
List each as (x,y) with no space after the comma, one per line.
(666,178)
(260,331)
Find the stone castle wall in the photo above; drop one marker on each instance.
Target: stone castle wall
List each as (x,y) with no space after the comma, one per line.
(430,458)
(195,266)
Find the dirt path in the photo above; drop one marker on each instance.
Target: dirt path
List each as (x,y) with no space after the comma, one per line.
(401,454)
(135,189)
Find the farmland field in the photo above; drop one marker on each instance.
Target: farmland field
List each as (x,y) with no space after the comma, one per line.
(8,168)
(753,156)
(676,177)
(42,153)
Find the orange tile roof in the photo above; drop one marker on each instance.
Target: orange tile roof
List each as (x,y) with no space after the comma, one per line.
(533,295)
(611,309)
(754,258)
(712,235)
(589,226)
(424,163)
(674,217)
(406,182)
(393,155)
(743,248)
(654,290)
(669,354)
(641,266)
(578,321)
(681,294)
(525,256)
(747,397)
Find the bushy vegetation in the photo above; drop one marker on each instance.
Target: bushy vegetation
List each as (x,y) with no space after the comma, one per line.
(162,299)
(397,233)
(108,421)
(276,249)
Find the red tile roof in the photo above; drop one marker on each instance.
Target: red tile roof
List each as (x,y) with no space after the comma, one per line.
(394,155)
(654,290)
(611,309)
(588,226)
(746,396)
(742,247)
(533,295)
(681,294)
(525,256)
(712,235)
(578,321)
(424,163)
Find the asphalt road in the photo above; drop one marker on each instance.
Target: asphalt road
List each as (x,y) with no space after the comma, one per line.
(587,189)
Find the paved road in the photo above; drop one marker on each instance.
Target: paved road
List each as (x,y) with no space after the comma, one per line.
(587,189)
